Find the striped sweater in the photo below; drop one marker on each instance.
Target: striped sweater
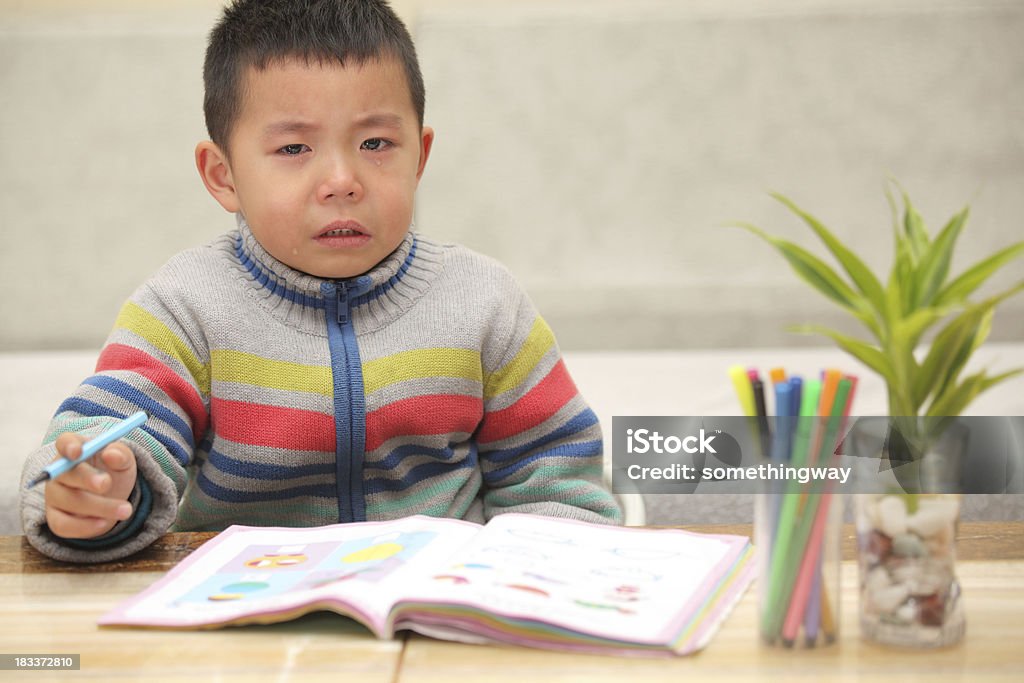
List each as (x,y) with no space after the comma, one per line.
(428,385)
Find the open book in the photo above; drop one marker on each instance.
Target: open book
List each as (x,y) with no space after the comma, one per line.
(521,579)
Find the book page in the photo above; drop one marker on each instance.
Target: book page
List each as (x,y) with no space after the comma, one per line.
(267,574)
(634,585)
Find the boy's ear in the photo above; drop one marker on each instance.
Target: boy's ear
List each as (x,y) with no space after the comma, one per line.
(426,141)
(216,174)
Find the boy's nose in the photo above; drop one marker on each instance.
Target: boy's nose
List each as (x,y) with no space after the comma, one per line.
(339,182)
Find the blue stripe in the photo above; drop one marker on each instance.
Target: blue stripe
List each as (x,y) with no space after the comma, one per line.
(234,496)
(155,409)
(585,449)
(255,470)
(393,280)
(90,409)
(417,475)
(585,419)
(395,457)
(269,281)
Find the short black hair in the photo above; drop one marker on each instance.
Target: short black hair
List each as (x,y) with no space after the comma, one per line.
(255,33)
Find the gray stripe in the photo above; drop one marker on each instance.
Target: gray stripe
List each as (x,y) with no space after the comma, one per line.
(422,386)
(571,409)
(285,398)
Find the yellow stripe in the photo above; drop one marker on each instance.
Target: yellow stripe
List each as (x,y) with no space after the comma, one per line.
(537,344)
(437,362)
(138,320)
(246,368)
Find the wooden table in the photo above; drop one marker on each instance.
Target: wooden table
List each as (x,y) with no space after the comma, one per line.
(51,608)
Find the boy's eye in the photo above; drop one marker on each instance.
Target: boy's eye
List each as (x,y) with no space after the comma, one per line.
(292,150)
(374,144)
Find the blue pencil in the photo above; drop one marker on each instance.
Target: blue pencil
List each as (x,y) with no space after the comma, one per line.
(91,447)
(812,617)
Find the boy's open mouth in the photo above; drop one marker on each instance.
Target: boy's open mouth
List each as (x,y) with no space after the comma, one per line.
(343,234)
(342,229)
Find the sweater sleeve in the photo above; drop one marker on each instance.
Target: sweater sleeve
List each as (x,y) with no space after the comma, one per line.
(539,443)
(154,360)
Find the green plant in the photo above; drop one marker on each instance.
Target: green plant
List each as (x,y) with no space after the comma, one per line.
(928,386)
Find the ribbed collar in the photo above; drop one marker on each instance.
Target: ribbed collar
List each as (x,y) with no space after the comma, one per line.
(388,290)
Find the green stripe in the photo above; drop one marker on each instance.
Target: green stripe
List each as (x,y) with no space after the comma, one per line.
(168,465)
(391,509)
(596,502)
(200,503)
(80,425)
(554,472)
(86,426)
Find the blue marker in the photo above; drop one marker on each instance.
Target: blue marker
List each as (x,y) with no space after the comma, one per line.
(92,447)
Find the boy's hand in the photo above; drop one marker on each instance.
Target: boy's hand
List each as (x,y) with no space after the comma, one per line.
(89,499)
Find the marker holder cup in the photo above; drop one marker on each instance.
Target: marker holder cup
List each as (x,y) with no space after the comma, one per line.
(797,534)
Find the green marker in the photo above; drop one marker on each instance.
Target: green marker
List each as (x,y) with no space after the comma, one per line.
(770,625)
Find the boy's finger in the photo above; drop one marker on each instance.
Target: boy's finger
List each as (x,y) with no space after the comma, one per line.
(69,445)
(117,457)
(73,526)
(86,477)
(81,503)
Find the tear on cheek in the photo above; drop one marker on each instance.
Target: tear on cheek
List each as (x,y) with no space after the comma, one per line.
(295,251)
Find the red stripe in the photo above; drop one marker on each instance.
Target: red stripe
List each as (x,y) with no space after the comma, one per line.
(538,404)
(431,414)
(257,424)
(179,389)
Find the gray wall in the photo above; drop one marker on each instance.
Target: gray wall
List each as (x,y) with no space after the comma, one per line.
(594,147)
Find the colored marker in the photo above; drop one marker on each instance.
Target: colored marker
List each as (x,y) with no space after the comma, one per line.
(812,617)
(812,527)
(781,438)
(761,410)
(781,572)
(91,447)
(741,383)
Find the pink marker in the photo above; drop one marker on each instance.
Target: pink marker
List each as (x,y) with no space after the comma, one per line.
(808,567)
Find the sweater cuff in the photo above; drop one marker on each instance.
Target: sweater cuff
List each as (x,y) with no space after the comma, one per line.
(142,504)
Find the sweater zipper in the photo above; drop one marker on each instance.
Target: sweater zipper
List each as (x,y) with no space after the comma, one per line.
(349,397)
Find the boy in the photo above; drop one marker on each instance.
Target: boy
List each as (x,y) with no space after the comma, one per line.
(322,363)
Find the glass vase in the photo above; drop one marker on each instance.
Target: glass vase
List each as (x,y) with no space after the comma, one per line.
(909,594)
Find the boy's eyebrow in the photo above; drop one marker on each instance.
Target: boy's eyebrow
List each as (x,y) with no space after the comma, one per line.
(371,120)
(379,120)
(285,127)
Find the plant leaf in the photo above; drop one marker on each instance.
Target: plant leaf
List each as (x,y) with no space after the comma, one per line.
(818,274)
(935,265)
(893,208)
(975,339)
(957,397)
(900,290)
(866,353)
(946,348)
(908,332)
(913,225)
(954,344)
(962,287)
(859,273)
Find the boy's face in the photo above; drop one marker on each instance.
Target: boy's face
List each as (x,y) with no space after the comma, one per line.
(324,162)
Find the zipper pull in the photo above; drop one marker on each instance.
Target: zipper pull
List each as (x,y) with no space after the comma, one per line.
(341,291)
